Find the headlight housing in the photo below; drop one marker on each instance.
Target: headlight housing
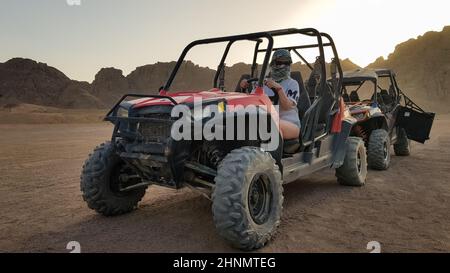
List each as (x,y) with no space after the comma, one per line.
(207,110)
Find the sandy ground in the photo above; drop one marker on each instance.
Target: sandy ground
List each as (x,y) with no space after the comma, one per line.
(36,114)
(405,208)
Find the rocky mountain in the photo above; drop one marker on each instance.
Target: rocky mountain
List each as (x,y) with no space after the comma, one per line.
(423,67)
(110,83)
(27,81)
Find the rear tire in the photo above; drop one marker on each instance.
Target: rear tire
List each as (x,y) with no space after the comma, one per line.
(99,183)
(354,170)
(247,198)
(378,151)
(403,145)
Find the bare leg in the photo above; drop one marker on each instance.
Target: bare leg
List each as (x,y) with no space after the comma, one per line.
(289,130)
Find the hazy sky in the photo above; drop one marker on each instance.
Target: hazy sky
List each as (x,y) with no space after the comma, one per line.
(79,40)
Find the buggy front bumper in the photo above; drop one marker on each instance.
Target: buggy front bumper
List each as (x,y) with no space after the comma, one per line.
(146,145)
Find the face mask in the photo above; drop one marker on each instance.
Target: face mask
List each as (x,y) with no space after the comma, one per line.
(280,73)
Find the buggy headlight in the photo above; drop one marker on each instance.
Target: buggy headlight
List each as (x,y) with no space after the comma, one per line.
(221,107)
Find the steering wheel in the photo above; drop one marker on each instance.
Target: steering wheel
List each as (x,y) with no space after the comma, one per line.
(249,89)
(275,98)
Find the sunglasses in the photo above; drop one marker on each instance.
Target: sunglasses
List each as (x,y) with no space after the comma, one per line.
(280,62)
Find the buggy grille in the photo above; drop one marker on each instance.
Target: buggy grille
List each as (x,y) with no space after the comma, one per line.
(155,130)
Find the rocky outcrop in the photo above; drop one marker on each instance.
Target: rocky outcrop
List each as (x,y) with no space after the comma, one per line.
(78,95)
(149,78)
(27,81)
(423,67)
(109,85)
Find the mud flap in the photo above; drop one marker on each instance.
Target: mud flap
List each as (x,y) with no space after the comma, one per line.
(340,144)
(416,123)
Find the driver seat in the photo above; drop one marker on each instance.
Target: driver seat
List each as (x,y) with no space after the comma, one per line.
(387,99)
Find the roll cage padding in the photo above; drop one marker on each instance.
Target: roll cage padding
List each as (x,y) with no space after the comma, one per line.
(354,97)
(327,104)
(387,99)
(313,80)
(308,122)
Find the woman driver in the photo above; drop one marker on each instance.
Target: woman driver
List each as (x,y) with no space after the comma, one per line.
(288,92)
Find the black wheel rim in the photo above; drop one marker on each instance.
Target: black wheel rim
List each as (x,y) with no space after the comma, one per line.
(259,199)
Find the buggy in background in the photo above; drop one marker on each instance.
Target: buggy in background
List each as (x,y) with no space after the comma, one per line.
(385,115)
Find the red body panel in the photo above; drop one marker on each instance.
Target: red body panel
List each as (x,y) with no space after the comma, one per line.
(232,98)
(336,126)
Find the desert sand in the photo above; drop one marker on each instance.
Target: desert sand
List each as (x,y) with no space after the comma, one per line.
(24,113)
(404,208)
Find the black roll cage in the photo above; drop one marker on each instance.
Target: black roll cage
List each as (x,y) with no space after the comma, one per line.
(257,38)
(400,95)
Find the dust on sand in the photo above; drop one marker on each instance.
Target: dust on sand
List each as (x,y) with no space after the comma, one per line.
(404,208)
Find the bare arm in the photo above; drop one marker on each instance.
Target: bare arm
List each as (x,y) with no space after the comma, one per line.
(285,102)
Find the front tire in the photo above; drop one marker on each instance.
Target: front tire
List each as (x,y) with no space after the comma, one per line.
(100,183)
(248,198)
(378,151)
(354,170)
